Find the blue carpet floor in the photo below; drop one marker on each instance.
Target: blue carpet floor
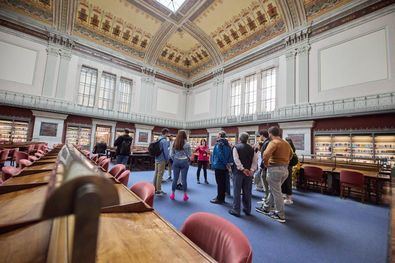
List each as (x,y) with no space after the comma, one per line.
(319,228)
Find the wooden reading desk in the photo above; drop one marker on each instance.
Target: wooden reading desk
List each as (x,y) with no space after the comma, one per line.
(374,178)
(128,230)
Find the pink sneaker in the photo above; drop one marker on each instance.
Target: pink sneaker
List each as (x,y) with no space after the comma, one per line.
(186,197)
(172,196)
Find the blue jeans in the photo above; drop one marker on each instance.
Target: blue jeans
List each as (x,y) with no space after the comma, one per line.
(123,159)
(180,165)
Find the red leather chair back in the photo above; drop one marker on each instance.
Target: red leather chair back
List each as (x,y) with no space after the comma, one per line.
(31,148)
(117,169)
(100,159)
(33,158)
(9,171)
(351,177)
(25,163)
(4,155)
(145,191)
(94,157)
(20,156)
(124,177)
(218,237)
(105,164)
(312,172)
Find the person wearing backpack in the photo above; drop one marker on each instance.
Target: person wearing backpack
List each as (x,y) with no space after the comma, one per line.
(160,150)
(123,144)
(221,160)
(286,187)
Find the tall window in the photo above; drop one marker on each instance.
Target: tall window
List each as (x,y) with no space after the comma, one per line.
(268,90)
(250,94)
(86,92)
(106,91)
(125,95)
(235,98)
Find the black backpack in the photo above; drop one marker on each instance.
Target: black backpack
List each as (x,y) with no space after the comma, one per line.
(294,160)
(125,147)
(155,149)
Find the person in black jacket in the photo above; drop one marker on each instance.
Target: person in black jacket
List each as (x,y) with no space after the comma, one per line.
(123,144)
(100,148)
(286,187)
(245,164)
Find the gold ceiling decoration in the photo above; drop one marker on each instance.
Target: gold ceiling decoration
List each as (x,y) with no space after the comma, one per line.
(116,24)
(194,39)
(40,10)
(253,24)
(316,8)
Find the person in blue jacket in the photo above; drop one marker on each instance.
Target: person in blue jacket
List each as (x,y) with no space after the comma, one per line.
(221,161)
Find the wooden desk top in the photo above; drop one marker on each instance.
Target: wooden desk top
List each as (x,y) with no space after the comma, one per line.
(148,237)
(42,177)
(26,244)
(37,169)
(125,195)
(23,205)
(367,173)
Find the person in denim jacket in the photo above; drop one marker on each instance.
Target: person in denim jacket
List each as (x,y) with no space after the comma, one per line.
(180,154)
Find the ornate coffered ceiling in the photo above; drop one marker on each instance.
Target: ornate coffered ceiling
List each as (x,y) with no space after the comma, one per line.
(199,37)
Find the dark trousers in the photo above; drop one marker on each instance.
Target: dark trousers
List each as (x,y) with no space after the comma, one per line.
(200,165)
(241,182)
(286,187)
(220,178)
(122,159)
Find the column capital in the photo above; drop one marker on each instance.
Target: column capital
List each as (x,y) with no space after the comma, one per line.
(304,49)
(290,54)
(53,50)
(65,53)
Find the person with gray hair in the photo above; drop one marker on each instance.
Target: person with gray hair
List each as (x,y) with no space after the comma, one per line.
(246,163)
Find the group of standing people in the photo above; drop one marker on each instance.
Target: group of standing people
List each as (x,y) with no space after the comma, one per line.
(270,160)
(242,161)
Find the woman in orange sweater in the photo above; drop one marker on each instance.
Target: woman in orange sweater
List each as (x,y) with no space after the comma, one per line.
(203,159)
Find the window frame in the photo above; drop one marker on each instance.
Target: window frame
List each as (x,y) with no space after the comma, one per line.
(235,96)
(250,94)
(103,101)
(268,92)
(121,96)
(89,95)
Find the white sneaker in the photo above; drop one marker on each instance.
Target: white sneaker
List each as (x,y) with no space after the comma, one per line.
(288,201)
(260,202)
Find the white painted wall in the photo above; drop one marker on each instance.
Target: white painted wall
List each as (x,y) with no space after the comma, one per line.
(355,62)
(52,118)
(22,64)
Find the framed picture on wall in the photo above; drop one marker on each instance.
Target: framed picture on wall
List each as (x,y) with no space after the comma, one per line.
(48,129)
(298,140)
(143,137)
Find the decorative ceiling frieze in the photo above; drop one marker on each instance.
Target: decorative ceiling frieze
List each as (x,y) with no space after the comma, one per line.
(188,44)
(40,10)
